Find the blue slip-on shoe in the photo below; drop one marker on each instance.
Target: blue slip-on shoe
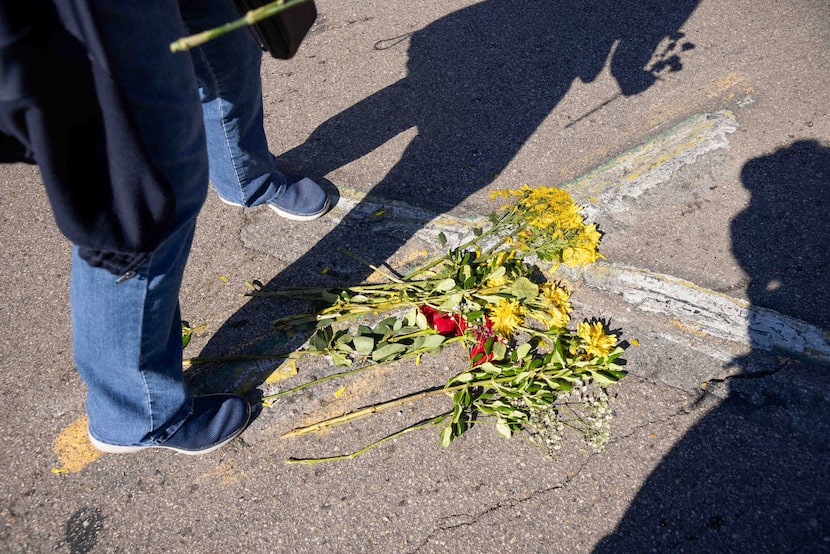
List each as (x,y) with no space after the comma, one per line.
(214,420)
(303,200)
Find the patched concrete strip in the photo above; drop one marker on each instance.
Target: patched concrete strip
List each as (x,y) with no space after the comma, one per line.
(634,172)
(707,312)
(413,220)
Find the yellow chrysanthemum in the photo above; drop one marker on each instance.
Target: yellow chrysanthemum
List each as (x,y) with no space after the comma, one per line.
(557,305)
(497,282)
(549,208)
(590,236)
(506,316)
(583,250)
(594,340)
(573,257)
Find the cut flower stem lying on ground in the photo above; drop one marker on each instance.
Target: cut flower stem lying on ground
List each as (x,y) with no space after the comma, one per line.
(527,370)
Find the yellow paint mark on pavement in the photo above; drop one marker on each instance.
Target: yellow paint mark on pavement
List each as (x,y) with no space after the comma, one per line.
(361,391)
(689,328)
(282,373)
(73,448)
(728,84)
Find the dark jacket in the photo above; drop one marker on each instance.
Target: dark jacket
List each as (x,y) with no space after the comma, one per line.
(68,115)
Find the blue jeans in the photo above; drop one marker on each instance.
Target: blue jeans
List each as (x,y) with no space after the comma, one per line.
(199,116)
(228,70)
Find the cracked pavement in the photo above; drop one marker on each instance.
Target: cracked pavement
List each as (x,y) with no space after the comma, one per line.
(710,185)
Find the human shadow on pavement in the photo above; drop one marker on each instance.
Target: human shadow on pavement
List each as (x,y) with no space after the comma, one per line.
(754,474)
(479,82)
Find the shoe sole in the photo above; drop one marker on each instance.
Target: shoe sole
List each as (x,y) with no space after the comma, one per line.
(288,215)
(117,449)
(296,217)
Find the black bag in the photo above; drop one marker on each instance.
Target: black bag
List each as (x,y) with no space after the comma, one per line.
(280,35)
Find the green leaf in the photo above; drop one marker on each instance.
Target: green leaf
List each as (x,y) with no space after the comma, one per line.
(522,351)
(452,302)
(558,354)
(319,341)
(341,360)
(445,285)
(488,345)
(489,368)
(421,321)
(411,317)
(500,350)
(470,282)
(385,325)
(524,289)
(364,345)
(477,231)
(474,316)
(327,322)
(498,272)
(604,377)
(465,377)
(503,429)
(342,337)
(442,241)
(387,352)
(431,342)
(446,436)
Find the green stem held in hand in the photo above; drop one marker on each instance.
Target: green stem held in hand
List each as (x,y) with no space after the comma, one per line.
(250,18)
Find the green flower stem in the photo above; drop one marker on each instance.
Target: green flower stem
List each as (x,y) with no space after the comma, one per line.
(422,425)
(343,373)
(221,359)
(357,414)
(316,381)
(386,274)
(375,408)
(472,241)
(250,18)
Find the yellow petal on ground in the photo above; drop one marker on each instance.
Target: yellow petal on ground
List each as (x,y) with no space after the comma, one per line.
(325,270)
(73,448)
(223,278)
(339,391)
(380,213)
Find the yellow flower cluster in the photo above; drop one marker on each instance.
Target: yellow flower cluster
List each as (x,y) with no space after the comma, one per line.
(585,248)
(506,316)
(549,208)
(556,306)
(593,340)
(548,216)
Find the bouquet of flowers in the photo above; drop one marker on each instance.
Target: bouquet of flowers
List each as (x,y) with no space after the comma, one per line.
(528,369)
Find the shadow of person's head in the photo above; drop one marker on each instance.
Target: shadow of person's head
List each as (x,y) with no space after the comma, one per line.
(781,240)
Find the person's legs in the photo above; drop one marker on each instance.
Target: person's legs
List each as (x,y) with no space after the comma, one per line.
(128,345)
(127,335)
(241,166)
